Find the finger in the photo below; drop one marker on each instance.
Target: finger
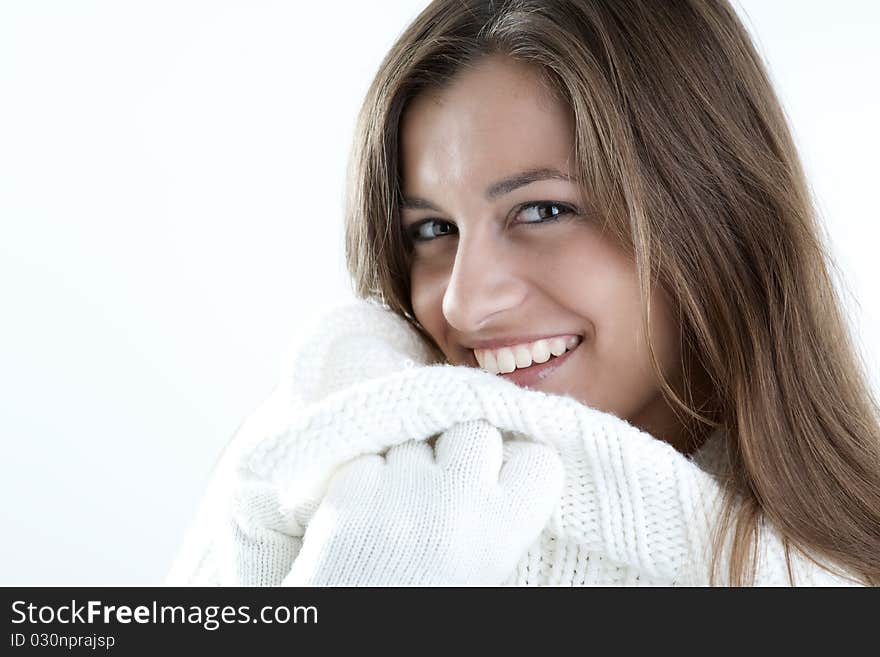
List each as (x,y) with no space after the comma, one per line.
(358,475)
(256,504)
(413,453)
(531,478)
(298,500)
(473,448)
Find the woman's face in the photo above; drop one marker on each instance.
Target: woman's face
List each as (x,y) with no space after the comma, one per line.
(505,252)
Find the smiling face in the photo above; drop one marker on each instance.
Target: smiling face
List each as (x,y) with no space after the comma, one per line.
(505,249)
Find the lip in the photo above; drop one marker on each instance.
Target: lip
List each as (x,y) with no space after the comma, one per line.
(535,374)
(510,341)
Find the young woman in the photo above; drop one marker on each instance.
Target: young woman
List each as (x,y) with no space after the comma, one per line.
(606,346)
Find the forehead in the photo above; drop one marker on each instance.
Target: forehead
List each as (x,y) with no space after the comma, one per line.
(493,119)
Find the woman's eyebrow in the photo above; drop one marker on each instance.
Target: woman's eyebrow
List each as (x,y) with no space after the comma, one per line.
(416,203)
(507,185)
(497,189)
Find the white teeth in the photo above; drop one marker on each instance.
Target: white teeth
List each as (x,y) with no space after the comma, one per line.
(523,356)
(488,361)
(557,346)
(507,359)
(541,351)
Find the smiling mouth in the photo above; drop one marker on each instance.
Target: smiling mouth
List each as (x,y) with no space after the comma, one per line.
(540,353)
(534,375)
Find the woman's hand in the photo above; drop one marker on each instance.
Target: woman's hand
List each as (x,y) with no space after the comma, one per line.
(462,513)
(627,496)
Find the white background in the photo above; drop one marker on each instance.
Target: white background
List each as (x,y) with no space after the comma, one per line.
(171,180)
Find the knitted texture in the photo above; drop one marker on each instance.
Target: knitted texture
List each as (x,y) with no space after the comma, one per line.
(632,510)
(460,513)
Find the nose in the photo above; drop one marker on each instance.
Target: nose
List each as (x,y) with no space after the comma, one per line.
(485,281)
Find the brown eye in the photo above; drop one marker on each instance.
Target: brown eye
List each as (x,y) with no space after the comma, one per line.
(430,229)
(537,212)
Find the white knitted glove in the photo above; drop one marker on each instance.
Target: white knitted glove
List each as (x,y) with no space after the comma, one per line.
(459,514)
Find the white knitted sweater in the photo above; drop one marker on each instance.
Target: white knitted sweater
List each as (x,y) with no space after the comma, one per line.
(633,511)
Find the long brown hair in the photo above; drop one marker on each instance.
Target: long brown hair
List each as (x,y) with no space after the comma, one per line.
(683,146)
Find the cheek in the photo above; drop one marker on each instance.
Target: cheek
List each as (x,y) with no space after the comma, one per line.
(598,282)
(426,296)
(621,347)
